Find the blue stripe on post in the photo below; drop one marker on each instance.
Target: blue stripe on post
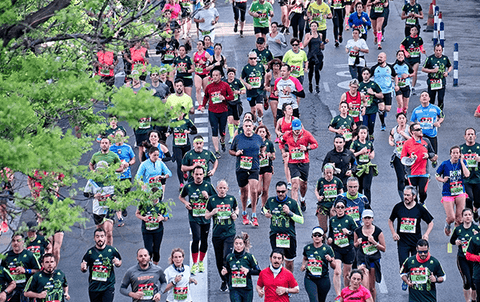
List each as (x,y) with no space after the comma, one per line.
(442,34)
(455,65)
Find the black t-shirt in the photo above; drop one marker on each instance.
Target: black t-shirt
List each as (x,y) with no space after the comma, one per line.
(408,226)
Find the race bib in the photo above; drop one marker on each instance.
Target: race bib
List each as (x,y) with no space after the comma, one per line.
(283,241)
(246,162)
(153,223)
(144,123)
(199,209)
(361,28)
(105,71)
(180,293)
(254,82)
(100,273)
(262,17)
(295,70)
(378,9)
(456,188)
(297,154)
(147,290)
(330,191)
(314,266)
(399,146)
(18,278)
(180,138)
(363,158)
(355,111)
(264,162)
(411,21)
(408,225)
(340,240)
(239,279)
(419,275)
(353,53)
(436,84)
(299,9)
(414,52)
(102,200)
(426,122)
(464,245)
(368,248)
(198,68)
(216,97)
(353,212)
(347,135)
(169,55)
(402,82)
(471,159)
(337,4)
(224,211)
(154,183)
(35,249)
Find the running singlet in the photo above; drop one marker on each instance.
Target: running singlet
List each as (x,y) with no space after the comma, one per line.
(354,103)
(200,63)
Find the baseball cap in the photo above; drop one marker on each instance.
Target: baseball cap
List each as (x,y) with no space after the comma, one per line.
(296,124)
(318,229)
(32,226)
(367,213)
(260,40)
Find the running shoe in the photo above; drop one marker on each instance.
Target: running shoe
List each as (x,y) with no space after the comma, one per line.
(413,91)
(241,34)
(224,286)
(336,43)
(265,105)
(347,28)
(230,141)
(289,186)
(185,176)
(340,39)
(201,267)
(317,89)
(262,211)
(217,154)
(4,227)
(375,40)
(255,221)
(383,38)
(434,164)
(120,223)
(310,88)
(259,120)
(287,32)
(124,213)
(224,148)
(384,127)
(235,28)
(194,269)
(379,46)
(245,220)
(371,137)
(448,229)
(404,286)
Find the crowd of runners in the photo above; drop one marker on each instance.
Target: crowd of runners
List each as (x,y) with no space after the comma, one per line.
(345,239)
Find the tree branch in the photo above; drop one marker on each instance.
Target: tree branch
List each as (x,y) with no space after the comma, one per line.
(35,19)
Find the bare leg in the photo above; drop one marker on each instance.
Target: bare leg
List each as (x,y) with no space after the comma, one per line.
(253,185)
(289,265)
(337,281)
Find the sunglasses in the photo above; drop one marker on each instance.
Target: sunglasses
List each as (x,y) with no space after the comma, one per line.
(252,58)
(367,217)
(422,252)
(281,191)
(295,44)
(353,186)
(417,129)
(317,235)
(340,207)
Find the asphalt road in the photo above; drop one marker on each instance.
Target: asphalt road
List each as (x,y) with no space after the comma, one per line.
(316,112)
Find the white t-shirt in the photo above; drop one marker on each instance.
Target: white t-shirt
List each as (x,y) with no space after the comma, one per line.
(352,53)
(99,207)
(209,15)
(182,286)
(285,97)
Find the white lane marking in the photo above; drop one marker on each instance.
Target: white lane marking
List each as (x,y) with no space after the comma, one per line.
(200,120)
(325,85)
(199,112)
(202,130)
(383,286)
(344,74)
(199,292)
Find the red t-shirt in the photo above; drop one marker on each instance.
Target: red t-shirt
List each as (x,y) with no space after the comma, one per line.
(419,167)
(359,295)
(295,155)
(269,283)
(212,92)
(105,57)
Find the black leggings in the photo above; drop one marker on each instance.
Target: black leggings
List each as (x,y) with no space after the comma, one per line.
(239,8)
(178,153)
(421,183)
(465,268)
(312,69)
(317,289)
(365,184)
(473,191)
(298,25)
(405,251)
(433,141)
(222,247)
(338,18)
(400,171)
(433,93)
(152,242)
(199,234)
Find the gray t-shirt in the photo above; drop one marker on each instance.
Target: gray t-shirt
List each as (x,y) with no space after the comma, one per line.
(276,49)
(209,15)
(150,281)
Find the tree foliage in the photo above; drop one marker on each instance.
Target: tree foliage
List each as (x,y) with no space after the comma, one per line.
(47,88)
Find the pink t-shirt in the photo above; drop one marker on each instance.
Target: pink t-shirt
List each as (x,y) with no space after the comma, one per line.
(361,294)
(175,10)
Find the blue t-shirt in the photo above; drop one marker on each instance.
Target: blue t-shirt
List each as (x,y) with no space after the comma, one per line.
(249,160)
(427,116)
(383,76)
(401,70)
(454,185)
(125,152)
